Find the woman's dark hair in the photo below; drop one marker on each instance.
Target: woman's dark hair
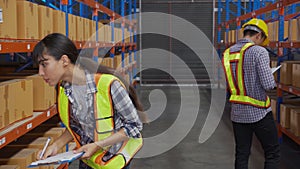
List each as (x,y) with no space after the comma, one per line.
(57,44)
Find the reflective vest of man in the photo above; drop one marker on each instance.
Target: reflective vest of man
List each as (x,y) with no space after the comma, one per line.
(104,114)
(236,86)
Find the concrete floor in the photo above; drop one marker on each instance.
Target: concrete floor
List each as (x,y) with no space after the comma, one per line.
(216,153)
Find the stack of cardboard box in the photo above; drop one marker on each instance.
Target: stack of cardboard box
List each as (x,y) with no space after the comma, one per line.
(24,150)
(20,97)
(286,72)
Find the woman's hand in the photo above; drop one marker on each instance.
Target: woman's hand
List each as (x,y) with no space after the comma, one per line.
(50,151)
(88,149)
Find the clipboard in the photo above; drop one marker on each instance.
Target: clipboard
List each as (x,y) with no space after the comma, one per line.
(62,158)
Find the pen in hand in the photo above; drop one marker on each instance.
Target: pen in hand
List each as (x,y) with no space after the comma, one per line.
(45,147)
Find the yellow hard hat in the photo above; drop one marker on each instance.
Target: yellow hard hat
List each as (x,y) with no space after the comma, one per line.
(255,23)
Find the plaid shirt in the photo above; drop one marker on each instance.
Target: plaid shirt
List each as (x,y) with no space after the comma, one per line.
(83,122)
(257,79)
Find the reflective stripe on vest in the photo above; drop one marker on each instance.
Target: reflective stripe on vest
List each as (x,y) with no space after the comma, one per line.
(238,92)
(104,125)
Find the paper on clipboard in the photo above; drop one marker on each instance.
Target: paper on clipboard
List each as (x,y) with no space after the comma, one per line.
(274,69)
(57,159)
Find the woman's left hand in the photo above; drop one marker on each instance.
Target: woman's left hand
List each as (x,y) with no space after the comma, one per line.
(88,149)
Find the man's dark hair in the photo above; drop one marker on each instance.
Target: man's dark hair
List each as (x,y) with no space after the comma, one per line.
(252,33)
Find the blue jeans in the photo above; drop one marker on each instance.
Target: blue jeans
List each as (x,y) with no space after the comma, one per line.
(266,132)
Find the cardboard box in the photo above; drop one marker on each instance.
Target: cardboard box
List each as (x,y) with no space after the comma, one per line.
(286,99)
(28,141)
(17,100)
(27,17)
(275,31)
(285,114)
(23,158)
(108,62)
(240,34)
(101,32)
(2,108)
(234,36)
(126,36)
(44,96)
(126,60)
(270,31)
(39,142)
(92,30)
(294,30)
(118,35)
(230,36)
(107,33)
(59,22)
(100,61)
(286,29)
(86,29)
(132,58)
(45,21)
(9,167)
(296,75)
(8,26)
(79,28)
(9,107)
(286,72)
(72,27)
(295,121)
(53,133)
(117,61)
(226,37)
(25,99)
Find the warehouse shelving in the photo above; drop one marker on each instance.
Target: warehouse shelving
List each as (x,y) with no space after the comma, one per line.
(17,129)
(23,46)
(289,89)
(27,46)
(258,8)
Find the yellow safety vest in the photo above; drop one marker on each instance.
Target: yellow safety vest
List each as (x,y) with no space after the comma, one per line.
(104,113)
(237,87)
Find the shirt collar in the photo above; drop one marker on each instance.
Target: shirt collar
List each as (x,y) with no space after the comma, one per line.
(245,40)
(90,83)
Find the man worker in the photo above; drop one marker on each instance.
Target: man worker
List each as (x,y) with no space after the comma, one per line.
(248,76)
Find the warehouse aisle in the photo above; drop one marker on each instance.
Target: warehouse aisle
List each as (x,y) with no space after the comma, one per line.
(216,153)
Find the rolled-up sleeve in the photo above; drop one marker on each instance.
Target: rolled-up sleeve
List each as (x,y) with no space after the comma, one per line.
(264,71)
(125,113)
